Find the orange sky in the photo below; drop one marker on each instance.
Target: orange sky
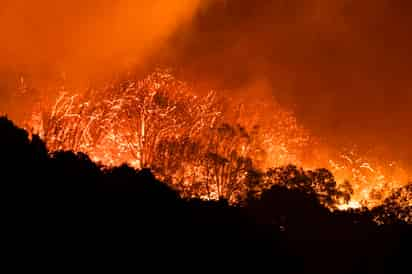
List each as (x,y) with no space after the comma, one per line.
(82,36)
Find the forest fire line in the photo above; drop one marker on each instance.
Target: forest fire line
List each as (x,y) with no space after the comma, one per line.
(205,146)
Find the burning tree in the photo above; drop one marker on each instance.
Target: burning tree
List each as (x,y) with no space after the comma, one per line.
(215,166)
(160,108)
(276,133)
(126,122)
(227,159)
(372,181)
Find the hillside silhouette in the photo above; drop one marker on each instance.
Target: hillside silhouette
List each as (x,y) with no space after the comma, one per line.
(63,211)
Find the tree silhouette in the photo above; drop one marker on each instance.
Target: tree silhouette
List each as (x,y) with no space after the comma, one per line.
(397,207)
(216,166)
(126,120)
(227,161)
(320,183)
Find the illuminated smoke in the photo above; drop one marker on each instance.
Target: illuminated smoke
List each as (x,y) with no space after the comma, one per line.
(86,37)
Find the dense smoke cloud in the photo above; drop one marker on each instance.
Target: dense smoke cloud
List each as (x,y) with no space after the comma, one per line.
(85,36)
(342,65)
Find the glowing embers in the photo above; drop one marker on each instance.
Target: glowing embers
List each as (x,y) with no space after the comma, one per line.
(372,180)
(125,122)
(158,122)
(206,146)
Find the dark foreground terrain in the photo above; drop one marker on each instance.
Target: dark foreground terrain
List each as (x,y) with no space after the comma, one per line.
(63,212)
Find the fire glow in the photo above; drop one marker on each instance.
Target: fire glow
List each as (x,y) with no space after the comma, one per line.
(160,123)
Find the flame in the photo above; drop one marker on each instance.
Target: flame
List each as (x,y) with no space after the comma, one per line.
(350,204)
(373,180)
(203,145)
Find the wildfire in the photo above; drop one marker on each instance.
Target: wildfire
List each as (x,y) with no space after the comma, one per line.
(206,146)
(372,180)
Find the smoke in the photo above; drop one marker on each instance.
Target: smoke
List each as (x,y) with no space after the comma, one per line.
(342,66)
(84,37)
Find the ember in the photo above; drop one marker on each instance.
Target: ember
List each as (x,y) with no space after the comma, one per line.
(206,146)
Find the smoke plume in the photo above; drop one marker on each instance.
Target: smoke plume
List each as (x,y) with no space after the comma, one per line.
(85,36)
